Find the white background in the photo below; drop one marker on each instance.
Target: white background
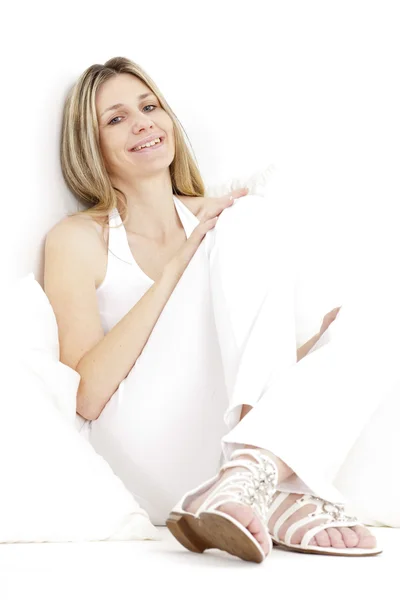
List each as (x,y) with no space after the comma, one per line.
(310,86)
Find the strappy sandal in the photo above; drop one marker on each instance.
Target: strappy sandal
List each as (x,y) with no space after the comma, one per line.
(212,528)
(332,514)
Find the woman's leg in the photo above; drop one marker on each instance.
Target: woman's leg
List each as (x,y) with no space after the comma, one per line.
(161,431)
(365,478)
(368,477)
(341,384)
(308,414)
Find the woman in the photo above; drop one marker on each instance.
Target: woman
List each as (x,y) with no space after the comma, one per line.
(183,330)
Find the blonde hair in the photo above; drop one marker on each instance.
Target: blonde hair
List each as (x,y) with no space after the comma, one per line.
(82,163)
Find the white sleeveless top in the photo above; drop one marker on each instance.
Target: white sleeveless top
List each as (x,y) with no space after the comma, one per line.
(125,282)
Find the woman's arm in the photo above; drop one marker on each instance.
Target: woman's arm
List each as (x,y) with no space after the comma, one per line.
(72,258)
(327,320)
(102,361)
(305,348)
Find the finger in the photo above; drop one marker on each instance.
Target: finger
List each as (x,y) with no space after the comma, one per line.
(234,194)
(192,243)
(239,192)
(230,196)
(210,212)
(205,225)
(181,259)
(214,209)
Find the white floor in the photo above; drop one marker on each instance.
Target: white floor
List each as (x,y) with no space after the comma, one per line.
(122,570)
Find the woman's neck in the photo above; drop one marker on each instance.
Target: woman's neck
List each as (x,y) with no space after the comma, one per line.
(151,211)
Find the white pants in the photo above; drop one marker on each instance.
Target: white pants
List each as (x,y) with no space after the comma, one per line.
(227,338)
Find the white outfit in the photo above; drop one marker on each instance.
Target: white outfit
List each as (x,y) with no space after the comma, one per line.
(225,338)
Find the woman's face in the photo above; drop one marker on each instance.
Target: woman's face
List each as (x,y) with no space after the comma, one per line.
(125,127)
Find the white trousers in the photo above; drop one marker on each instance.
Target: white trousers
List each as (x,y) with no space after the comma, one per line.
(227,338)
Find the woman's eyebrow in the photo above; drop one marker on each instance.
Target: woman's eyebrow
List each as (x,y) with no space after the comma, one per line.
(119,105)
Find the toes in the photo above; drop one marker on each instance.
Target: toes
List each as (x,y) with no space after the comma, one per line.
(350,537)
(258,531)
(246,516)
(323,539)
(264,543)
(243,514)
(313,542)
(366,539)
(336,538)
(255,526)
(299,534)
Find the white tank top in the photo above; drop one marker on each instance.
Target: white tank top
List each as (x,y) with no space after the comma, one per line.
(125,282)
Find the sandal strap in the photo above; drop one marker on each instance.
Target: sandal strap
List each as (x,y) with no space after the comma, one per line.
(307,521)
(280,497)
(315,530)
(255,486)
(287,514)
(332,514)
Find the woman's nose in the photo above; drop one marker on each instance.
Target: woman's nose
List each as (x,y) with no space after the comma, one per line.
(142,124)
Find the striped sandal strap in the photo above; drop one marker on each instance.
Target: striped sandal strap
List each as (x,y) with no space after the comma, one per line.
(255,486)
(332,514)
(307,537)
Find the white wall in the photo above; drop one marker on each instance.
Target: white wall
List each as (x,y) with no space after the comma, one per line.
(311,86)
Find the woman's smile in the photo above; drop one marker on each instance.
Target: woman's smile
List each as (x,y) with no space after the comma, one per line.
(147,150)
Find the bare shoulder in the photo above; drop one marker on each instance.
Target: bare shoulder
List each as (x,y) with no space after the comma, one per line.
(78,239)
(74,264)
(79,230)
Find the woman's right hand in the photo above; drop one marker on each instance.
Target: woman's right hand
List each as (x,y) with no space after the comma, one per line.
(208,216)
(328,319)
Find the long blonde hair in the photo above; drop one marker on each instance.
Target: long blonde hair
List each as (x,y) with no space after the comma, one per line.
(82,163)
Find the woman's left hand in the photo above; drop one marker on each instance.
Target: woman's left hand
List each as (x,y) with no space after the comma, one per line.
(223,202)
(328,319)
(202,206)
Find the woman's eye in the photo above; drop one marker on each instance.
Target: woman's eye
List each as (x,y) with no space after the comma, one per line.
(114,122)
(111,122)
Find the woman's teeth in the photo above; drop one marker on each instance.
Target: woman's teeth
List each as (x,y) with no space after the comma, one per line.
(148,145)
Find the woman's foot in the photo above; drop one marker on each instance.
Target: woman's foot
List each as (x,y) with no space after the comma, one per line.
(356,536)
(246,515)
(332,537)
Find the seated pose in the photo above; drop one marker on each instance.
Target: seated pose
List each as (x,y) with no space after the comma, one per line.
(177,311)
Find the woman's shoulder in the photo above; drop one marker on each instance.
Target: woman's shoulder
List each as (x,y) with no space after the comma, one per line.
(76,245)
(80,230)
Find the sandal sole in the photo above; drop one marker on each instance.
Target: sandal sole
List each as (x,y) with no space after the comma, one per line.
(324,552)
(211,530)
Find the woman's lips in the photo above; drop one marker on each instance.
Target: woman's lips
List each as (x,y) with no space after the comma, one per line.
(151,149)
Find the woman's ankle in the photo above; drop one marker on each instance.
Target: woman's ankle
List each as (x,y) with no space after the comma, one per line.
(283,470)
